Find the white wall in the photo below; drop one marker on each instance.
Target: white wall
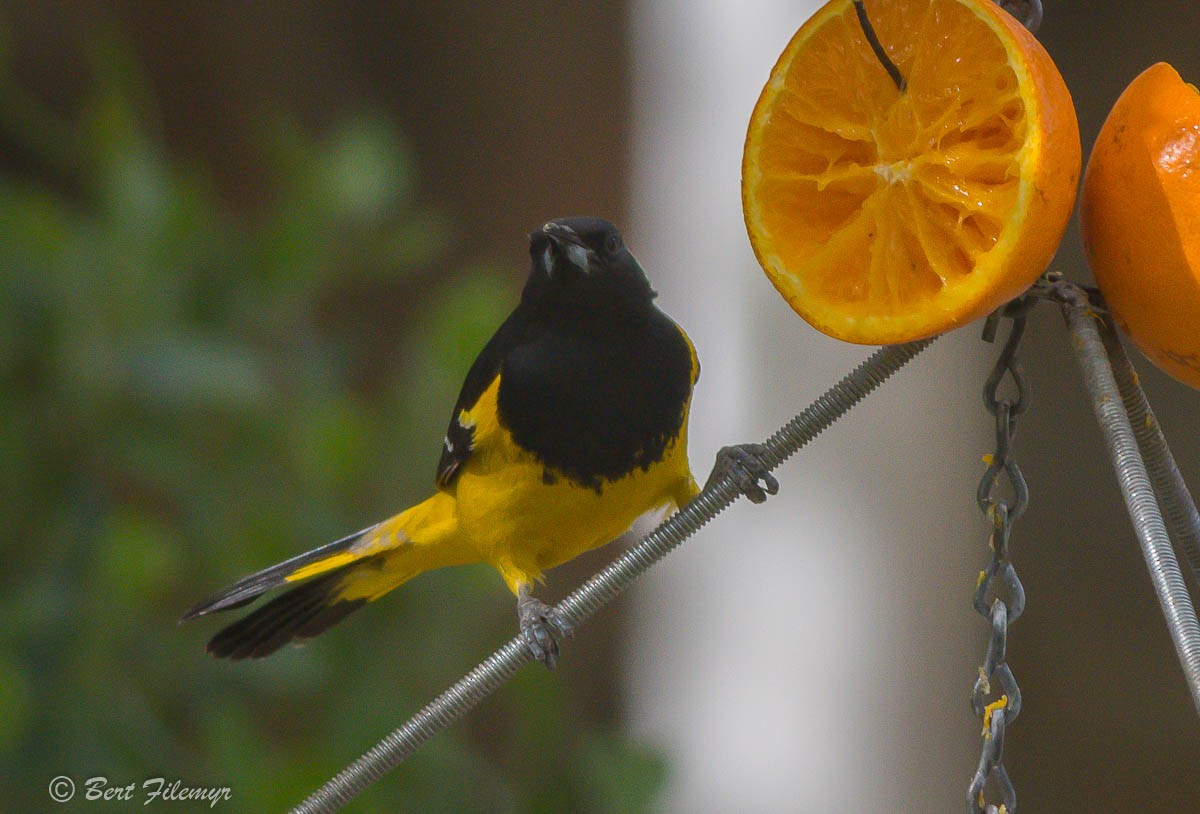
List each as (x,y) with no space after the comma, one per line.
(816,653)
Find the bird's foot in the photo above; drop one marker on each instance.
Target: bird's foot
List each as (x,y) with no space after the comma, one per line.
(744,464)
(541,626)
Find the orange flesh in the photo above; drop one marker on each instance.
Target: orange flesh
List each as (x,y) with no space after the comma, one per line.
(914,189)
(864,202)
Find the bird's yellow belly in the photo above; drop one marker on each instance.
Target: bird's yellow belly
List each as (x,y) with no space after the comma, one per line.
(522,521)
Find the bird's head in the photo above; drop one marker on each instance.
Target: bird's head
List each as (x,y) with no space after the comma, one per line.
(585,256)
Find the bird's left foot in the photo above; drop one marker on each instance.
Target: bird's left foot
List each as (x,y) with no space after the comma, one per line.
(541,625)
(744,463)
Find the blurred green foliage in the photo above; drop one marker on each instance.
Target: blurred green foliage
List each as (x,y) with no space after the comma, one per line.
(188,394)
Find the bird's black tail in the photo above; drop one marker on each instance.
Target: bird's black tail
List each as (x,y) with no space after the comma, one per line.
(326,584)
(301,613)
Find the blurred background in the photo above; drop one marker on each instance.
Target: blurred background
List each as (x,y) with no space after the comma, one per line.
(247,253)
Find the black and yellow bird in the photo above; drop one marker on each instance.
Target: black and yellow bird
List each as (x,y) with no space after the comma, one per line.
(571,424)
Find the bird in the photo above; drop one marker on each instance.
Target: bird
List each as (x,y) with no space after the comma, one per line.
(570,425)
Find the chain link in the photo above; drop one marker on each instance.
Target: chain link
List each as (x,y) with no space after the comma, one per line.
(999,596)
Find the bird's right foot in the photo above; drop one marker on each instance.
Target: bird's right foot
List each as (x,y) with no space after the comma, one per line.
(541,625)
(744,463)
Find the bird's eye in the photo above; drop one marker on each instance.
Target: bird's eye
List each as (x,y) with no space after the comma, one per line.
(612,243)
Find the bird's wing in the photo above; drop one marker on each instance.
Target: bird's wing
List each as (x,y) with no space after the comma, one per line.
(460,434)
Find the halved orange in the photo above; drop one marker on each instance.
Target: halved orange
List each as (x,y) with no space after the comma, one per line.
(885,215)
(1140,217)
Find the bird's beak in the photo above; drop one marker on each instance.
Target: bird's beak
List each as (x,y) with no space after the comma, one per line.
(566,243)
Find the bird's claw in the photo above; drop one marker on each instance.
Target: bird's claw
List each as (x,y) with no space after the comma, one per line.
(744,464)
(541,625)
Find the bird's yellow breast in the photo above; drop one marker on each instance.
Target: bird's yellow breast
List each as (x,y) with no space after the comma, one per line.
(523,518)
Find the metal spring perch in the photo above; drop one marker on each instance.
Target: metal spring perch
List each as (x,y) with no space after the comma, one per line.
(604,586)
(1141,458)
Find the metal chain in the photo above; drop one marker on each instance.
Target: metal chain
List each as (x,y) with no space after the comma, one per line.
(999,596)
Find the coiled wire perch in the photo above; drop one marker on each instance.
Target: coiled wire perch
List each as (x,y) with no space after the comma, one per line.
(605,585)
(1145,470)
